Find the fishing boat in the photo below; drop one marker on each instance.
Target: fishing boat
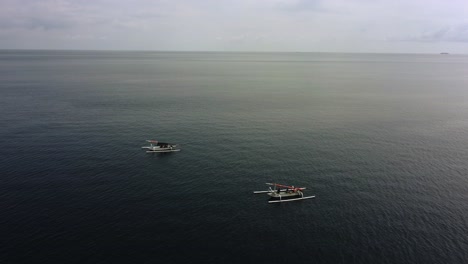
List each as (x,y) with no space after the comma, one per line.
(284,193)
(156,146)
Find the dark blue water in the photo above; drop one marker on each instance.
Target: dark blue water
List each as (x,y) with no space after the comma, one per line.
(381,140)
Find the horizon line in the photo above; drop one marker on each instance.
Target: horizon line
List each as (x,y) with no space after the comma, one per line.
(229,51)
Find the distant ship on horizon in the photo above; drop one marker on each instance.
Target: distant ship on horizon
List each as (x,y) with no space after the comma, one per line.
(444,53)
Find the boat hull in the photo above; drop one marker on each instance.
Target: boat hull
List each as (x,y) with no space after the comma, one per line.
(285,194)
(162,150)
(291,199)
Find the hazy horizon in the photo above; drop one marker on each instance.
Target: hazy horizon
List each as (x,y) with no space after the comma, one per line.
(235,51)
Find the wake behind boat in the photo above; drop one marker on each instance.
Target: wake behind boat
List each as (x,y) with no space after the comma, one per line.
(157,147)
(284,193)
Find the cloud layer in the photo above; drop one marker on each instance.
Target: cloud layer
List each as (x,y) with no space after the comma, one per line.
(241,25)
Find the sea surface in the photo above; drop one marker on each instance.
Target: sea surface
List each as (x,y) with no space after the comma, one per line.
(380,139)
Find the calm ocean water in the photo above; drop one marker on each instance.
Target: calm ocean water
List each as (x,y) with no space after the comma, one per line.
(381,140)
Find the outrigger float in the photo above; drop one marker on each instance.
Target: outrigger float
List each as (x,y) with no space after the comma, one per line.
(156,146)
(284,193)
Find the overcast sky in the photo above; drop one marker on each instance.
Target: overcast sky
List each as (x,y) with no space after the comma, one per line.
(403,26)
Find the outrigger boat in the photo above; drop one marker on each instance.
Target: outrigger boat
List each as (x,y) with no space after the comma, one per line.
(284,193)
(156,146)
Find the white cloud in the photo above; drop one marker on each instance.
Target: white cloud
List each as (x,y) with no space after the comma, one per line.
(257,25)
(457,33)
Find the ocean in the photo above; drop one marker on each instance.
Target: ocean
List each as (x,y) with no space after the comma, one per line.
(380,139)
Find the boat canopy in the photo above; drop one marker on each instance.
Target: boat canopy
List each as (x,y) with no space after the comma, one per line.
(158,143)
(163,143)
(286,186)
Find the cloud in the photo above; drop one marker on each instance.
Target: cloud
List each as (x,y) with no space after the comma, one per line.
(299,5)
(458,33)
(38,15)
(251,25)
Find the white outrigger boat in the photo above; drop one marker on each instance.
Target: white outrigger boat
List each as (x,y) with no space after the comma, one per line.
(284,193)
(156,146)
